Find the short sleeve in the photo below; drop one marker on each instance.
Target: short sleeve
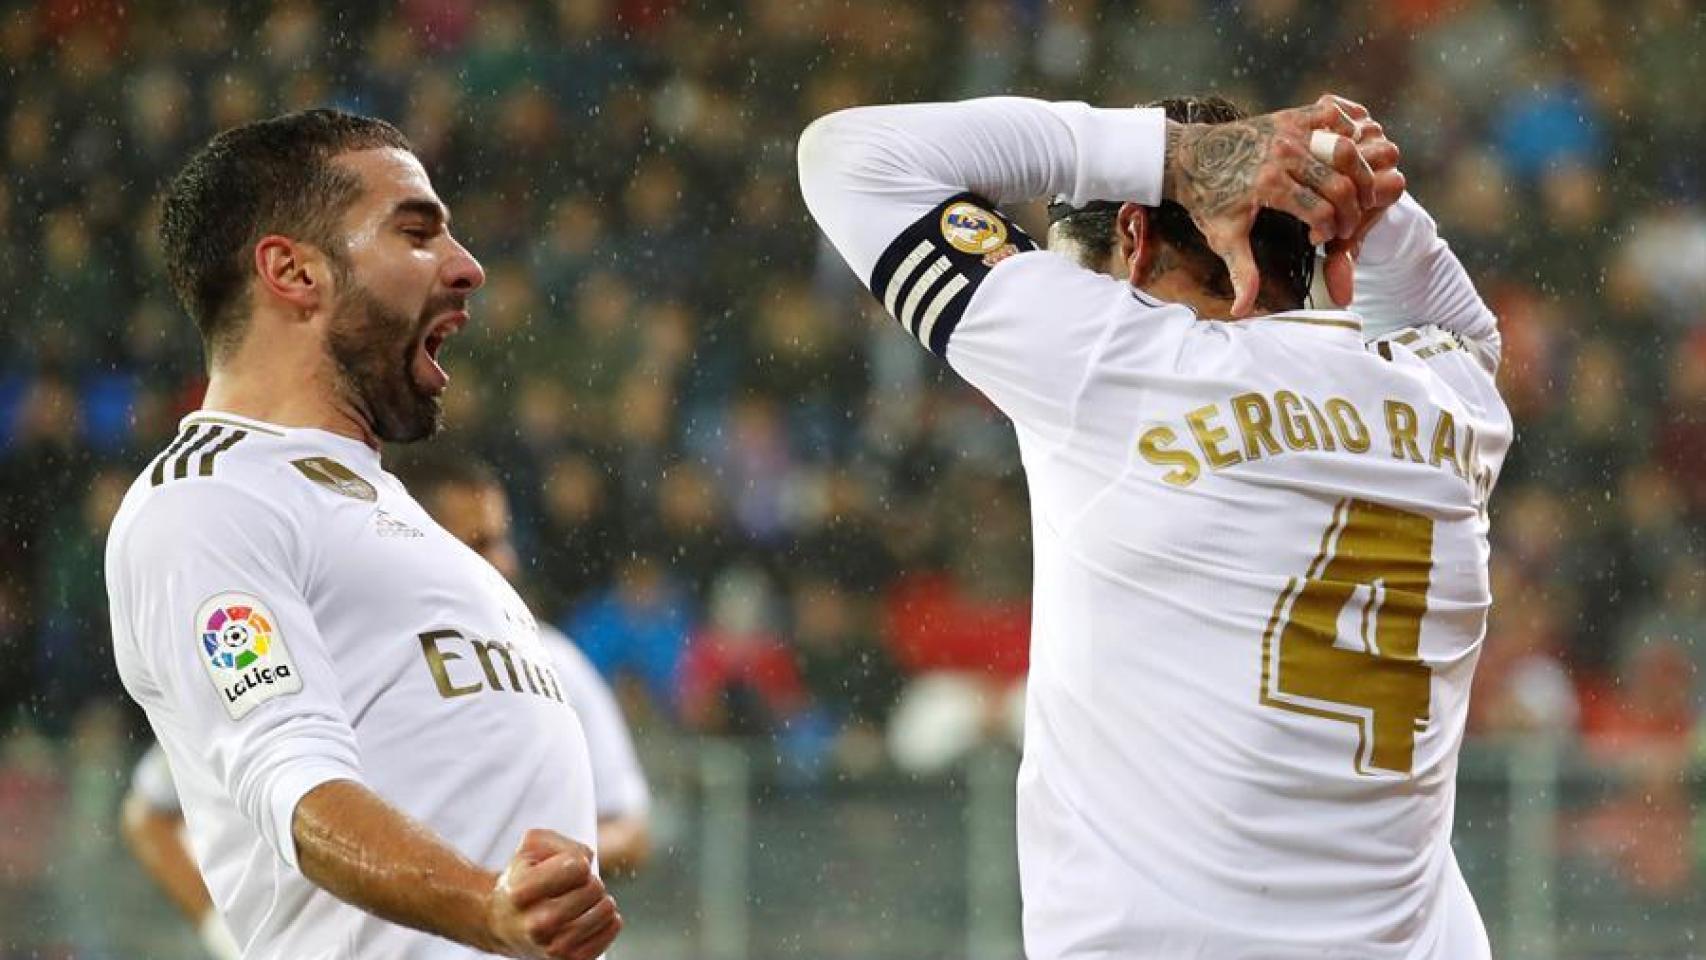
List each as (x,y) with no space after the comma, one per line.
(216,640)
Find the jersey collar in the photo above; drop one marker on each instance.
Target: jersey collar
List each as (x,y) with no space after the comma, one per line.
(1332,323)
(223,419)
(352,447)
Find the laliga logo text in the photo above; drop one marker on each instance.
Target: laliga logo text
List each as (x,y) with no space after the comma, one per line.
(245,654)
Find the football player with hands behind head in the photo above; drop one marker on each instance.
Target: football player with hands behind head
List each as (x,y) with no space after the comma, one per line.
(1259,528)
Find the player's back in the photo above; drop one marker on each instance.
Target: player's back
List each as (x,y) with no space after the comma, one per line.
(1260,590)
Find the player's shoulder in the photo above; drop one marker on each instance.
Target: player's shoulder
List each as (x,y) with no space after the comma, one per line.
(1421,342)
(1467,365)
(1048,291)
(1438,359)
(225,471)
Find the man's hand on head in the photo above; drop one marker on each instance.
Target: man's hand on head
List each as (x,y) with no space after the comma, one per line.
(1224,174)
(549,903)
(1382,156)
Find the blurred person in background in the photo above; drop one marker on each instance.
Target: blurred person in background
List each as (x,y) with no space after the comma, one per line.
(300,633)
(153,825)
(1643,726)
(962,634)
(463,495)
(637,629)
(852,681)
(1162,810)
(72,670)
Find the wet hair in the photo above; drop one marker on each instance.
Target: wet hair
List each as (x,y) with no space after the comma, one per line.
(1279,241)
(270,176)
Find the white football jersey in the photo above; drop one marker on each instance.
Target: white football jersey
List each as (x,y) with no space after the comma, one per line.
(287,614)
(618,781)
(1260,579)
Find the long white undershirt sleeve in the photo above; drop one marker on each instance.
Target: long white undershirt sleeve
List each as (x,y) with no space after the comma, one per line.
(1408,276)
(868,173)
(910,195)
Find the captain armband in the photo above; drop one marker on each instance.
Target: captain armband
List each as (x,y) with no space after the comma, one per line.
(928,274)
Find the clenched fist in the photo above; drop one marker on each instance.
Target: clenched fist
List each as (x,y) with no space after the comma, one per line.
(549,902)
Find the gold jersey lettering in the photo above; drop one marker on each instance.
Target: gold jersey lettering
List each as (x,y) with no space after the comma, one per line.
(1255,421)
(1347,422)
(438,661)
(1294,424)
(1401,424)
(1321,425)
(525,676)
(1156,446)
(1209,437)
(1444,447)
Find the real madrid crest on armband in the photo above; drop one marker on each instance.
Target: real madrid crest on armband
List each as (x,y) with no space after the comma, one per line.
(244,652)
(970,228)
(930,270)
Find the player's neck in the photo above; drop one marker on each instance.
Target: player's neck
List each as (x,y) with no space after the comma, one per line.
(273,387)
(1175,286)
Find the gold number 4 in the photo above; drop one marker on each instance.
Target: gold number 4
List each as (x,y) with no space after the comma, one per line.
(1383,558)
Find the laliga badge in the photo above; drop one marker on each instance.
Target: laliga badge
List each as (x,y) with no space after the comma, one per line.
(244,653)
(970,228)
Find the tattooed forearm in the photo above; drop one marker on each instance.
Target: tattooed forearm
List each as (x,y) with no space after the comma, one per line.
(1211,169)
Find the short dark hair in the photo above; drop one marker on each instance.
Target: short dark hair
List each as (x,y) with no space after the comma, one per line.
(1279,241)
(270,176)
(428,469)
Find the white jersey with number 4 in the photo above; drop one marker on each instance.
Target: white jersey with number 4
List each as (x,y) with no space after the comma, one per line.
(287,614)
(1260,577)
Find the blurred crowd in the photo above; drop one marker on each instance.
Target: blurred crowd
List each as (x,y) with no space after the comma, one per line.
(760,508)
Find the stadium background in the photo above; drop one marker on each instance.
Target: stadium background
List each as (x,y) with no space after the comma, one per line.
(799,547)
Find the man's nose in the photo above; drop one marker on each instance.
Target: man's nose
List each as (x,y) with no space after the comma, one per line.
(463,272)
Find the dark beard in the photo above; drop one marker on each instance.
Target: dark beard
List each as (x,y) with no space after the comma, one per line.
(374,347)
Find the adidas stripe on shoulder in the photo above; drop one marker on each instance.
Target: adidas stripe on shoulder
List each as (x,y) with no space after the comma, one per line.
(194,452)
(928,274)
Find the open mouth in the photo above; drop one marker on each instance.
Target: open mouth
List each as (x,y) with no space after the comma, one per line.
(429,373)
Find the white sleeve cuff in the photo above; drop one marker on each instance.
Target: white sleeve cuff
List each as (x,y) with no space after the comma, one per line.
(1404,228)
(290,785)
(1122,152)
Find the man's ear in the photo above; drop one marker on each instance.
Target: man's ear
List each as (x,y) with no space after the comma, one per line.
(292,272)
(1136,247)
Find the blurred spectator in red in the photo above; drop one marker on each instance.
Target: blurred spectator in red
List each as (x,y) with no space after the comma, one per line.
(962,636)
(737,676)
(1641,726)
(32,804)
(1521,684)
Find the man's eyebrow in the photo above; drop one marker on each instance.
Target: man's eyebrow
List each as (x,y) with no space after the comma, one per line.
(431,209)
